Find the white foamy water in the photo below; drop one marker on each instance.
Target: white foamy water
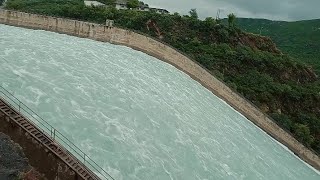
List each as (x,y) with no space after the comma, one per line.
(137,117)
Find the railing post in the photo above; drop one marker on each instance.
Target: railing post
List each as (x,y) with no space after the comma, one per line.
(54,133)
(19,106)
(84,158)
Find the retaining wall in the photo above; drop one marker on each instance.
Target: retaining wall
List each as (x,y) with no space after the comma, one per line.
(163,52)
(39,156)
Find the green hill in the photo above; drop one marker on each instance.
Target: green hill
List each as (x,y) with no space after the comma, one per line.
(300,39)
(281,86)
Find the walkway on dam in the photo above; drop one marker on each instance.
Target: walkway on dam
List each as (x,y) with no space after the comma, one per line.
(19,114)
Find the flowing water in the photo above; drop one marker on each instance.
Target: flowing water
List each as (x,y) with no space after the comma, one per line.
(137,117)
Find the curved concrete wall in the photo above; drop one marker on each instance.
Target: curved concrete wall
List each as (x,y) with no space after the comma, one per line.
(169,55)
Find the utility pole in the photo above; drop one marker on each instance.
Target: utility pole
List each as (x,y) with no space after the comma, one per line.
(218,14)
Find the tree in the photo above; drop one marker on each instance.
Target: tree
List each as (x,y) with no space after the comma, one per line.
(231,20)
(210,22)
(303,134)
(133,4)
(193,13)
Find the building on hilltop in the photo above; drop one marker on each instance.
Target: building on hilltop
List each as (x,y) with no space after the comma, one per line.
(121,4)
(159,10)
(93,3)
(143,7)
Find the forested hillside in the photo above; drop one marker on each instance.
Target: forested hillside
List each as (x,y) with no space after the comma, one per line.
(300,39)
(278,84)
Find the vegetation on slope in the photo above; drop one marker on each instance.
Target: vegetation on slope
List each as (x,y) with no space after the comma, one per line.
(286,89)
(300,39)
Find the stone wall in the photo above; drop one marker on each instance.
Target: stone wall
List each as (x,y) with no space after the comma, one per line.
(169,55)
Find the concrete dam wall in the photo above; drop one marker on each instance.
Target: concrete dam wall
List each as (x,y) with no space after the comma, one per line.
(163,52)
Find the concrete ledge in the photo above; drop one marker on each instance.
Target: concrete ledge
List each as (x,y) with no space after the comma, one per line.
(39,156)
(163,52)
(43,151)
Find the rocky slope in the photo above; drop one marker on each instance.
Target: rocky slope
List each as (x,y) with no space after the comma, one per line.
(12,159)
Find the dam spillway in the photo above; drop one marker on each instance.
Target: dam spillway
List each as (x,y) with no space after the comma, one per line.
(137,117)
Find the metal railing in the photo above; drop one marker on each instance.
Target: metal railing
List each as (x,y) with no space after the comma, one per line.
(54,134)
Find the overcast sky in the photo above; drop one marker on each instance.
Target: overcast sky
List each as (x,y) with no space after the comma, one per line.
(269,9)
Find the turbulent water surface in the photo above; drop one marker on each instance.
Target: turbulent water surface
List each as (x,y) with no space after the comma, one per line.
(137,117)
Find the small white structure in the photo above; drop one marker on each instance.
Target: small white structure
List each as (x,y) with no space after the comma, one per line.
(121,4)
(93,3)
(109,23)
(144,8)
